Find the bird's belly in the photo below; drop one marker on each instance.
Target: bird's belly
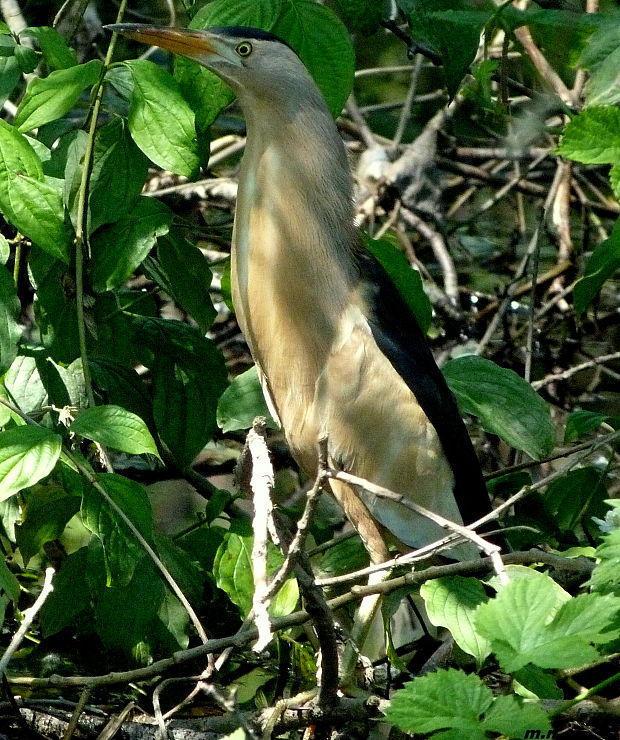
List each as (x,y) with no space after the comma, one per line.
(377,430)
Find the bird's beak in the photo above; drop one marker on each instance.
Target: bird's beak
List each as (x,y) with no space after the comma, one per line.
(191,44)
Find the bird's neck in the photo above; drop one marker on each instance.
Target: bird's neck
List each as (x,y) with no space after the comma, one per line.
(292,267)
(294,220)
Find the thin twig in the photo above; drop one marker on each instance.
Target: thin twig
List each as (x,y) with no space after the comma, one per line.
(77,713)
(81,226)
(466,533)
(566,374)
(405,113)
(440,250)
(472,567)
(261,483)
(543,67)
(28,617)
(322,621)
(425,552)
(298,541)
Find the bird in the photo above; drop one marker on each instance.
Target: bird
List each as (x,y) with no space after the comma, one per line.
(339,353)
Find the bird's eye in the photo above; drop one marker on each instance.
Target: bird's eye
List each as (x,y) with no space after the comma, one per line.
(244,49)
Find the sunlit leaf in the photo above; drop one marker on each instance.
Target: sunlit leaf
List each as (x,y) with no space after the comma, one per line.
(114,426)
(27,454)
(451,603)
(160,120)
(49,98)
(505,404)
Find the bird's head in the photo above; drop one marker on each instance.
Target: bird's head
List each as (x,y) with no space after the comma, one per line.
(248,59)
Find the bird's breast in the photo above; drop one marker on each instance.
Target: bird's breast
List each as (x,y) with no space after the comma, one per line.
(290,287)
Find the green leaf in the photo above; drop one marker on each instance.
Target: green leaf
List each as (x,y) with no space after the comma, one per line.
(30,202)
(506,485)
(131,630)
(67,160)
(9,585)
(10,73)
(600,56)
(24,384)
(233,570)
(451,603)
(533,620)
(324,46)
(593,136)
(603,263)
(344,557)
(118,249)
(118,174)
(535,681)
(173,629)
(188,376)
(464,706)
(183,272)
(205,91)
(452,29)
(505,404)
(312,30)
(121,386)
(575,496)
(606,575)
(10,330)
(602,87)
(456,36)
(440,700)
(16,156)
(44,519)
(241,402)
(234,574)
(580,423)
(38,212)
(71,594)
(27,454)
(115,427)
(122,551)
(361,16)
(26,58)
(185,571)
(160,120)
(54,47)
(55,307)
(287,598)
(242,12)
(514,718)
(51,97)
(407,280)
(603,42)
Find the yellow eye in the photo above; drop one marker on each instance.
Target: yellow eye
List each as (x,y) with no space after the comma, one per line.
(244,49)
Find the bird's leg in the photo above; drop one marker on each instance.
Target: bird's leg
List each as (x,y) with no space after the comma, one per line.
(372,537)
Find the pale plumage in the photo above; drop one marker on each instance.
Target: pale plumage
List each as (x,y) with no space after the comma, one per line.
(338,350)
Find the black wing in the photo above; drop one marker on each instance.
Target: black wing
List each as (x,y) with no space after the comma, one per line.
(401,340)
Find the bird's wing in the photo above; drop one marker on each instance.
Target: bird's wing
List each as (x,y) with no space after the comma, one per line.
(400,339)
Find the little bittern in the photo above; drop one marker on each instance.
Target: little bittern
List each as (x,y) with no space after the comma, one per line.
(338,351)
